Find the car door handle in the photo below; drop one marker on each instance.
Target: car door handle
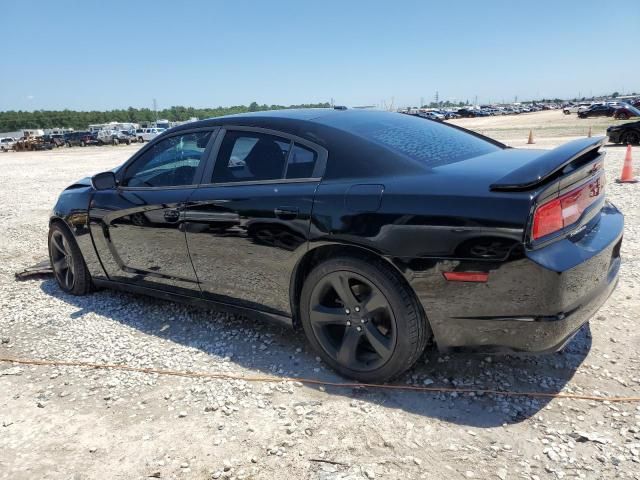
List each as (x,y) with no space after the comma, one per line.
(286,213)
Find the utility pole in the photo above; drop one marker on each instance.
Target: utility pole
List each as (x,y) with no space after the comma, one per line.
(155,110)
(475,101)
(437,97)
(421,102)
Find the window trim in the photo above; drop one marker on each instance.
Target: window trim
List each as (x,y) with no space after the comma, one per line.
(199,171)
(318,170)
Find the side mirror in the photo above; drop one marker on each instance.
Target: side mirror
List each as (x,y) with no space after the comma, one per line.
(104,181)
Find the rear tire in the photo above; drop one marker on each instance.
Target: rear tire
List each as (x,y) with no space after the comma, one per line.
(370,327)
(631,138)
(69,267)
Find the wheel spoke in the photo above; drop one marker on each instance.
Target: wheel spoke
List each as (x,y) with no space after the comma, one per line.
(68,278)
(380,343)
(340,283)
(375,301)
(56,243)
(321,316)
(60,264)
(347,352)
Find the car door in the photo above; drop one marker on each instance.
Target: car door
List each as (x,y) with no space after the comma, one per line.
(138,226)
(248,223)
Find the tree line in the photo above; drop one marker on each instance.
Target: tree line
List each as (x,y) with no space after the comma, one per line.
(18,120)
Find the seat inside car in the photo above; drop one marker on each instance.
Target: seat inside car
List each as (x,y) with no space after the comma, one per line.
(266,160)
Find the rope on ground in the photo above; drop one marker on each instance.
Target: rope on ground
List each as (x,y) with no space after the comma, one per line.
(308,381)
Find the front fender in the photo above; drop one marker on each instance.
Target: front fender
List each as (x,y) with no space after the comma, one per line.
(72,210)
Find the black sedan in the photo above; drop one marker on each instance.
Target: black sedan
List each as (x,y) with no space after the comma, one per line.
(375,233)
(597,111)
(628,133)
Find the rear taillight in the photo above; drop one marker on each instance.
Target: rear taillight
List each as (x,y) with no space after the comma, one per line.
(567,209)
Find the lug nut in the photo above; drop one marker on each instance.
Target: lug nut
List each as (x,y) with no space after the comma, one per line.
(359,329)
(348,324)
(357,309)
(363,320)
(347,311)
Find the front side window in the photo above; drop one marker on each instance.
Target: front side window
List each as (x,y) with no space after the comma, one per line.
(250,156)
(169,163)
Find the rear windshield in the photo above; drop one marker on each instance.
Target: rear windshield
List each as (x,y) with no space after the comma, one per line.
(431,143)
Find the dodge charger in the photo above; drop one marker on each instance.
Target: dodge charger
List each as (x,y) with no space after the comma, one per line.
(375,233)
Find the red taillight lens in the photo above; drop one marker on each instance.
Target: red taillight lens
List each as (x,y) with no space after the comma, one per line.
(466,276)
(563,211)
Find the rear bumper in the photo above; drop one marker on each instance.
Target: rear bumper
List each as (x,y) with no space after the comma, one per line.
(532,304)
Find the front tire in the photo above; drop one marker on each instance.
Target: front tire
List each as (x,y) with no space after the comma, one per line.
(69,267)
(362,319)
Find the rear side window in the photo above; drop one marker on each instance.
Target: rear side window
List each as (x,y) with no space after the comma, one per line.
(250,156)
(431,143)
(302,162)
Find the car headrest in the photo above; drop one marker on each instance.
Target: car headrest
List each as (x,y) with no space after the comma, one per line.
(266,160)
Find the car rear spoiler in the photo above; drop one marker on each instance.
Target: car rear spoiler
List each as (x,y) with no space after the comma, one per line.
(548,165)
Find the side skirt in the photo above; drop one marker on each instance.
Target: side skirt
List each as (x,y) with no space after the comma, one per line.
(199,302)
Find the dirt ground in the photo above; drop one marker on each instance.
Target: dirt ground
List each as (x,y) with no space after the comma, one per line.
(79,423)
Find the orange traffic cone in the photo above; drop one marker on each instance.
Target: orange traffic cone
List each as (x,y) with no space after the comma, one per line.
(627,169)
(530,141)
(589,134)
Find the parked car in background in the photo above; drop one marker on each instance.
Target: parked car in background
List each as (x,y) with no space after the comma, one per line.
(628,133)
(599,110)
(81,138)
(124,136)
(146,134)
(625,112)
(576,108)
(432,116)
(55,139)
(467,112)
(115,137)
(7,143)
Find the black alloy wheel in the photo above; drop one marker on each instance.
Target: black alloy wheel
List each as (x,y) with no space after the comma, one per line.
(62,261)
(362,319)
(632,138)
(353,321)
(68,265)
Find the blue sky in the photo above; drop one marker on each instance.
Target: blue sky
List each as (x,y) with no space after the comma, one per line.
(102,55)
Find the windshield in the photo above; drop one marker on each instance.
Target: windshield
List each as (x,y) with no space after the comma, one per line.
(632,109)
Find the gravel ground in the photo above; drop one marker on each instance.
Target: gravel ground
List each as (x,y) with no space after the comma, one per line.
(67,422)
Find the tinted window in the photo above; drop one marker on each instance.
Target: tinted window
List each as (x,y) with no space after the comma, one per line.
(431,143)
(301,162)
(170,162)
(249,156)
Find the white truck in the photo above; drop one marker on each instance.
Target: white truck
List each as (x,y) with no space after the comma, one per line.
(146,134)
(575,108)
(7,143)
